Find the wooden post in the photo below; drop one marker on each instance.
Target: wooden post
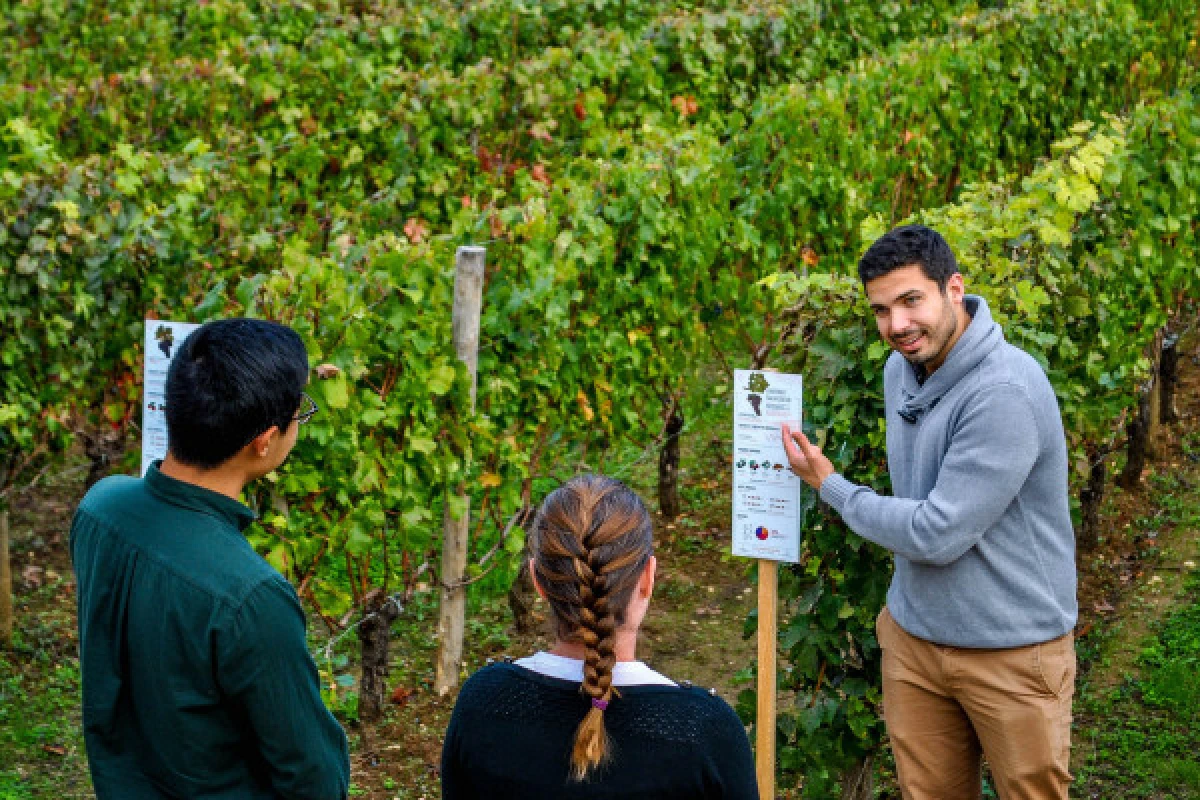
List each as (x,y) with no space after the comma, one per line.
(468,305)
(6,595)
(768,635)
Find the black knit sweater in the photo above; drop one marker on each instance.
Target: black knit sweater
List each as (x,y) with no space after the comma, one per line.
(513,729)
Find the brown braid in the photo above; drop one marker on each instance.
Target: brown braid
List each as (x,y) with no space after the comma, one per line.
(590,543)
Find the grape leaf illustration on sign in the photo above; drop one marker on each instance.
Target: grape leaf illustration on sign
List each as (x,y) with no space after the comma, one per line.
(166,339)
(756,385)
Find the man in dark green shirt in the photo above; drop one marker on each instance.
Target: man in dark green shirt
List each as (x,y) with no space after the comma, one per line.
(197,682)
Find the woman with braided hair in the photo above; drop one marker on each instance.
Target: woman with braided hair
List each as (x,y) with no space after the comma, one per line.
(587,720)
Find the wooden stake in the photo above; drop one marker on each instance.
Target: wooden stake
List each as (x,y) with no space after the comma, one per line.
(6,602)
(468,305)
(768,636)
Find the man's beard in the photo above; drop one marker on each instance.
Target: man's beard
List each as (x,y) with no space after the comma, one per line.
(937,338)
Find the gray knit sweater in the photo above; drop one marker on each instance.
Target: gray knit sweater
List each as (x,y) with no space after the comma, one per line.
(980,523)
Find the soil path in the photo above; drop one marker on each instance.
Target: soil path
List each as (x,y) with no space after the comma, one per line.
(1138,577)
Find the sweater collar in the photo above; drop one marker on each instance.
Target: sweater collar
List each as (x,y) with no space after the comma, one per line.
(982,336)
(197,498)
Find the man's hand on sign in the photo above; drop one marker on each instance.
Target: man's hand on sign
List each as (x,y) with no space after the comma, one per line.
(806,459)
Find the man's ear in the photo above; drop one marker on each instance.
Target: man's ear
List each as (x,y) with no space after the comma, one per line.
(261,445)
(955,287)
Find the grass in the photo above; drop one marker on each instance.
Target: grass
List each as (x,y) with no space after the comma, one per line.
(41,741)
(1147,745)
(1136,737)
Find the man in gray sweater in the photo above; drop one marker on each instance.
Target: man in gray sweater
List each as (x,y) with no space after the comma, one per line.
(978,655)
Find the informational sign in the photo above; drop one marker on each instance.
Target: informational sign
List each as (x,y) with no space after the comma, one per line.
(766,494)
(162,340)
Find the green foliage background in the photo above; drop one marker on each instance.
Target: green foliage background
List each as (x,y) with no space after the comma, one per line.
(661,187)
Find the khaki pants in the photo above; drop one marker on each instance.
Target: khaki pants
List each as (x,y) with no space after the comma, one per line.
(945,707)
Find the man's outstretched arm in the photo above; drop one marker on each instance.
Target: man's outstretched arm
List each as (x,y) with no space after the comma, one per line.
(992,450)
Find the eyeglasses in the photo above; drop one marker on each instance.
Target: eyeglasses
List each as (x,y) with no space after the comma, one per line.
(308,407)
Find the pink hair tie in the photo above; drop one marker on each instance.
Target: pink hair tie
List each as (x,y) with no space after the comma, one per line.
(600,704)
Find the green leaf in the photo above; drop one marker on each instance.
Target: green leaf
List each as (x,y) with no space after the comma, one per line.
(247,292)
(516,542)
(336,391)
(422,444)
(359,541)
(440,379)
(214,301)
(415,517)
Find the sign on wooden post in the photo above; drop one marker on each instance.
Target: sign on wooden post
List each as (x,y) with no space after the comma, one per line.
(766,523)
(468,303)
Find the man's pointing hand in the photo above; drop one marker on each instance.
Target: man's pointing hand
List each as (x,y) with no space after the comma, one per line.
(805,458)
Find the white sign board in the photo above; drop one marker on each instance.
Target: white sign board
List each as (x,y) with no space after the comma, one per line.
(162,340)
(766,494)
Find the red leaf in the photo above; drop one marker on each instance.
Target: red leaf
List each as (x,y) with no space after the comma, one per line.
(487,160)
(510,169)
(686,106)
(415,230)
(579,109)
(539,174)
(402,694)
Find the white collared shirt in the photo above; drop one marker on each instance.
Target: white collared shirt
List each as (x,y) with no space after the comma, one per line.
(625,673)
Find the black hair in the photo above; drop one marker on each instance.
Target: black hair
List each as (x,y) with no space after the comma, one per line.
(907,246)
(230,381)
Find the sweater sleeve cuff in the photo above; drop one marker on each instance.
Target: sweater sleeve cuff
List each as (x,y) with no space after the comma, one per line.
(836,491)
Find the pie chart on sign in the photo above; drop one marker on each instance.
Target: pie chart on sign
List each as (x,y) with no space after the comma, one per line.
(761,532)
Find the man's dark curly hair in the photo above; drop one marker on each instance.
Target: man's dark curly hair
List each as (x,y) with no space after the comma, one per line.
(907,246)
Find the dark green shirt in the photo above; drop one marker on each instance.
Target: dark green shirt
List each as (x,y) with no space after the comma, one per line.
(197,682)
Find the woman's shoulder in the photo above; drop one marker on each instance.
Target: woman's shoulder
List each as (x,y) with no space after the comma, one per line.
(503,680)
(491,677)
(683,715)
(697,702)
